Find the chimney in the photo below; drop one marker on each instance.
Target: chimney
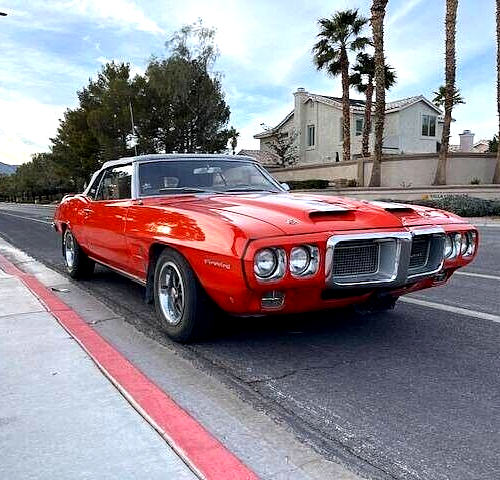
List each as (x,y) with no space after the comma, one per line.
(466,141)
(299,119)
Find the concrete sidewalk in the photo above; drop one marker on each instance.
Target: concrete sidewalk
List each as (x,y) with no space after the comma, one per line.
(60,417)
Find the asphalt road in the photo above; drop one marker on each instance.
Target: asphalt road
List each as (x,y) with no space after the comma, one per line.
(409,394)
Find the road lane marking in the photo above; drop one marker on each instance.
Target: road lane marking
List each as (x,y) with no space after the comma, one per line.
(478,275)
(25,218)
(451,309)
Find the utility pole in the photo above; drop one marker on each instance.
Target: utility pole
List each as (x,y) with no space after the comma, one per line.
(134,137)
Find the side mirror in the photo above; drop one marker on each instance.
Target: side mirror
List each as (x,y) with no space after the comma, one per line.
(285,186)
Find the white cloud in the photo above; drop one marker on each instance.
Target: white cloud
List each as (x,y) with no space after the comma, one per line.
(29,66)
(46,15)
(398,15)
(26,125)
(122,12)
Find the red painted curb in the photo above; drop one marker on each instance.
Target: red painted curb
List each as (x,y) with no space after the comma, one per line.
(202,452)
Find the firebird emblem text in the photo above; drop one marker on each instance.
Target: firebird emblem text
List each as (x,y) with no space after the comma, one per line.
(292,221)
(216,263)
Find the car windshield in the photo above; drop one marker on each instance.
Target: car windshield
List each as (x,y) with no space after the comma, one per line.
(203,175)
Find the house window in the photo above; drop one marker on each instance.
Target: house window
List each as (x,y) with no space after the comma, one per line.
(311,133)
(429,125)
(359,126)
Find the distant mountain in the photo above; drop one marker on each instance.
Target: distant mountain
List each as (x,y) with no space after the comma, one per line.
(6,169)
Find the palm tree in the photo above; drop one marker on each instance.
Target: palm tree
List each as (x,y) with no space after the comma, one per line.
(496,176)
(337,36)
(449,70)
(362,79)
(440,96)
(377,21)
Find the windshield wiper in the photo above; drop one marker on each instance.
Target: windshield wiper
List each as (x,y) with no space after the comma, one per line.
(185,190)
(249,189)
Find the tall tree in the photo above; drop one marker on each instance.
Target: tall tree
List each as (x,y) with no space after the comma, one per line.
(105,101)
(233,139)
(377,21)
(496,175)
(337,36)
(450,71)
(76,151)
(493,144)
(362,79)
(178,105)
(189,93)
(440,96)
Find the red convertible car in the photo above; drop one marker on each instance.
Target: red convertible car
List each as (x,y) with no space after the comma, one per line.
(207,231)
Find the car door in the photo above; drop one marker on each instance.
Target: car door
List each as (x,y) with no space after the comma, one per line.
(106,217)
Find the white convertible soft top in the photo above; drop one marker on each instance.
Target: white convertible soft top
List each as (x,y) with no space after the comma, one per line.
(175,156)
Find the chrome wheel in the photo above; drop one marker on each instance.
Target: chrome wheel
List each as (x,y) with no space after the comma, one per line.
(171,293)
(69,249)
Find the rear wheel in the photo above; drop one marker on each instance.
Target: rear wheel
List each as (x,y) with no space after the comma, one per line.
(184,310)
(78,265)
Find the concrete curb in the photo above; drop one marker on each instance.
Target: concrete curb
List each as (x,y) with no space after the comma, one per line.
(201,452)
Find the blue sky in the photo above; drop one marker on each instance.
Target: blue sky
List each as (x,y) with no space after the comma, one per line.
(50,48)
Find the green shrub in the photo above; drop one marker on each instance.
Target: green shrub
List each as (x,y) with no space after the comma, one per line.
(352,182)
(462,205)
(308,184)
(475,181)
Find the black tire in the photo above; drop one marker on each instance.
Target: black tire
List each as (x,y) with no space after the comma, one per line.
(185,312)
(78,265)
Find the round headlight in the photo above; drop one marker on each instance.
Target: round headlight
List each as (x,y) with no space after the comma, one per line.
(299,260)
(448,246)
(265,263)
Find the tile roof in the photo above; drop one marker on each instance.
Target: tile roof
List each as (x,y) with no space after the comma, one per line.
(353,101)
(359,105)
(356,106)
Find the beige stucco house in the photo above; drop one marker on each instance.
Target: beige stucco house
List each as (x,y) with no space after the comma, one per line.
(412,125)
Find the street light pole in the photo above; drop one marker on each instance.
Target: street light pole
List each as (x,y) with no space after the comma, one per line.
(133,126)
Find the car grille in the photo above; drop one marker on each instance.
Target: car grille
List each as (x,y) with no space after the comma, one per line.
(358,258)
(419,251)
(379,259)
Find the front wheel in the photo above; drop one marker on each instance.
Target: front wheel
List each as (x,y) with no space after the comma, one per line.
(78,265)
(184,310)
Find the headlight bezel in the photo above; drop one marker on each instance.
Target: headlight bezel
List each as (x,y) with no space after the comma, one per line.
(471,243)
(448,246)
(312,266)
(463,244)
(279,268)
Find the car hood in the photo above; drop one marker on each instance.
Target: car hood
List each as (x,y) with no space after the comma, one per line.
(304,213)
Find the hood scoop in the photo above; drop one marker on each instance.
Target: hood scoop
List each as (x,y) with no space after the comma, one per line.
(317,210)
(327,214)
(392,207)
